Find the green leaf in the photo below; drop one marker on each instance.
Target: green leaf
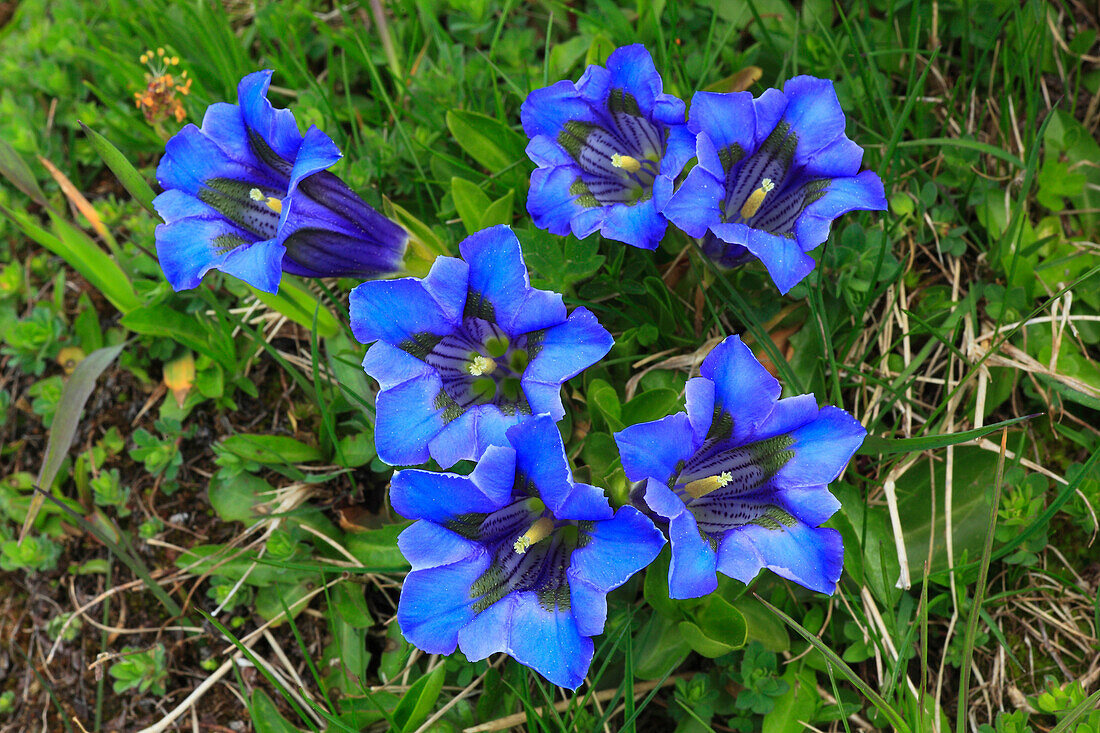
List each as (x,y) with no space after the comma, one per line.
(235,499)
(266,718)
(351,605)
(377,549)
(655,586)
(15,169)
(470,202)
(74,396)
(700,643)
(82,254)
(723,623)
(296,302)
(973,476)
(500,211)
(651,405)
(660,648)
(127,175)
(419,701)
(560,261)
(490,142)
(271,449)
(874,445)
(605,401)
(194,333)
(796,707)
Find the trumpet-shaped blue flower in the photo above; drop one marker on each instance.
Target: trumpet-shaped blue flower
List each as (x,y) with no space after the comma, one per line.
(773,173)
(515,557)
(741,477)
(249,195)
(468,351)
(608,149)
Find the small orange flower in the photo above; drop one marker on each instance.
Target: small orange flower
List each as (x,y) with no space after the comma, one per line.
(161,97)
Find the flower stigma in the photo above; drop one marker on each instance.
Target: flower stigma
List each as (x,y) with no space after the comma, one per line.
(273,203)
(626,162)
(480,365)
(752,204)
(538,531)
(702,487)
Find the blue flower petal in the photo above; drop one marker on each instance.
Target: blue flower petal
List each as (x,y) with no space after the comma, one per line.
(224,125)
(768,108)
(552,205)
(786,262)
(316,153)
(679,149)
(814,114)
(549,642)
(275,127)
(639,225)
(726,119)
(191,158)
(588,605)
(436,603)
(259,264)
(822,448)
(391,366)
(564,351)
(396,311)
(407,420)
(441,497)
(839,159)
(540,458)
(174,205)
(811,505)
(468,435)
(428,545)
(813,558)
(699,394)
(653,449)
(616,550)
(743,387)
(546,153)
(631,68)
(499,275)
(489,631)
(691,573)
(696,204)
(545,111)
(863,192)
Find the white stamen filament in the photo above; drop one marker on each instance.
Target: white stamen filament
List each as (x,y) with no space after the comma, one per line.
(703,486)
(752,204)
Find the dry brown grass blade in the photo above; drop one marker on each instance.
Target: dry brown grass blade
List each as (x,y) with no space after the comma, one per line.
(77,199)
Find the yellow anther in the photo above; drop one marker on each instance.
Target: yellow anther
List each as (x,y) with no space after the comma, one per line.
(273,203)
(144,58)
(480,365)
(752,205)
(703,486)
(174,61)
(160,52)
(539,531)
(631,165)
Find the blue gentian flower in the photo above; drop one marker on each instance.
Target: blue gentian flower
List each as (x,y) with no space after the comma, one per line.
(608,149)
(741,477)
(247,194)
(515,557)
(773,173)
(468,351)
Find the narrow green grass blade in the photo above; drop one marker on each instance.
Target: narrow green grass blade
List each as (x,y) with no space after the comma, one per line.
(979,592)
(875,445)
(127,175)
(74,396)
(849,674)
